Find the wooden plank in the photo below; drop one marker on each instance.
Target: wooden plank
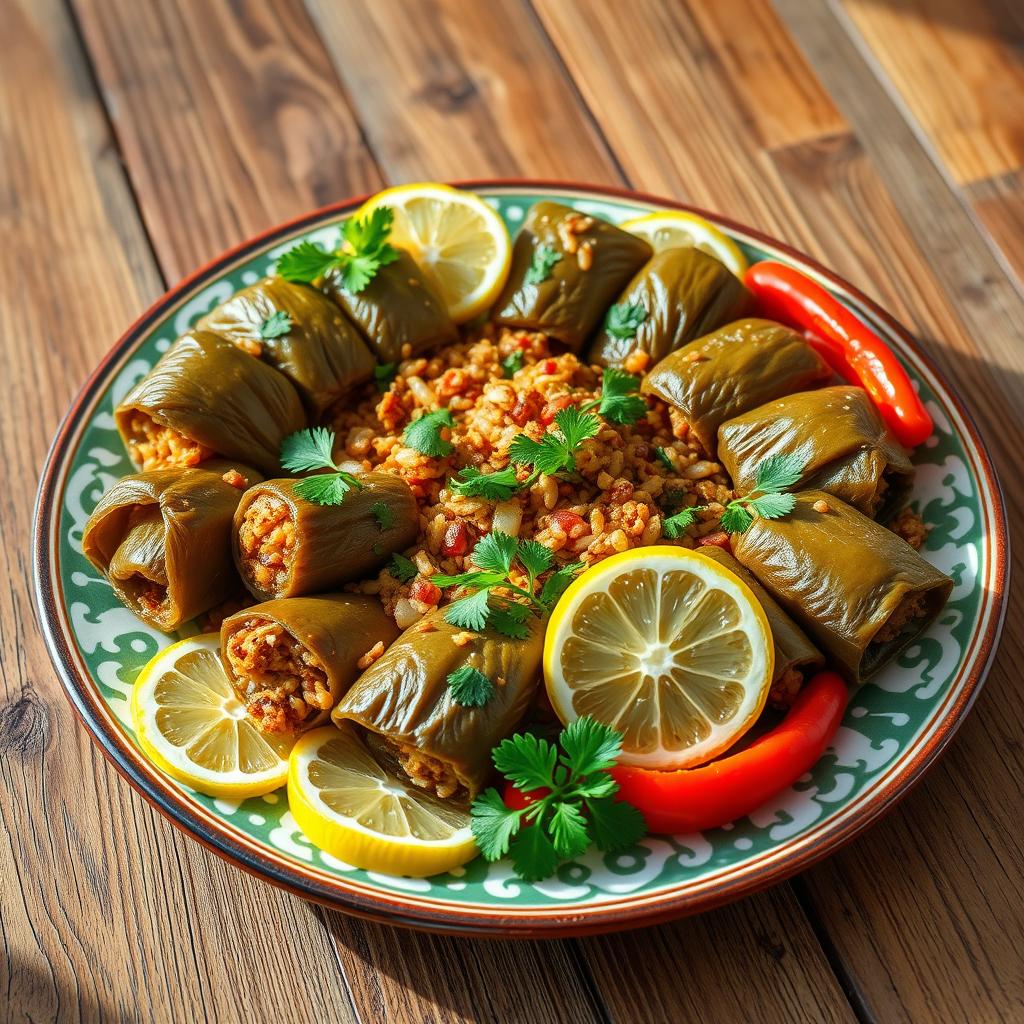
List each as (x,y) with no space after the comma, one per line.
(105,911)
(461,90)
(229,117)
(919,251)
(999,204)
(763,964)
(958,69)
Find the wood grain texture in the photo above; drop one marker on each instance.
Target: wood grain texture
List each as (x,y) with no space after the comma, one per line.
(105,911)
(959,68)
(229,117)
(461,89)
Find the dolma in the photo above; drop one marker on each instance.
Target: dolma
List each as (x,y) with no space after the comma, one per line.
(836,433)
(684,293)
(298,331)
(732,370)
(567,269)
(861,592)
(405,704)
(285,545)
(290,660)
(398,313)
(163,540)
(795,655)
(206,397)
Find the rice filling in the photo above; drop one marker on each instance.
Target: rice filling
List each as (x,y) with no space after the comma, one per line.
(154,446)
(266,541)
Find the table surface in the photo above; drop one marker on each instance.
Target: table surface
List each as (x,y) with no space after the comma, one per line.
(139,138)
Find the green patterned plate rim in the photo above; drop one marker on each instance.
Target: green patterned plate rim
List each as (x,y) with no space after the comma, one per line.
(894,727)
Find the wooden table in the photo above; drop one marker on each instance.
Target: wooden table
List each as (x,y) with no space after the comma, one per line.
(138,138)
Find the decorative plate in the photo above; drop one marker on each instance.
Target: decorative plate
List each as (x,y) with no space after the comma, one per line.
(894,728)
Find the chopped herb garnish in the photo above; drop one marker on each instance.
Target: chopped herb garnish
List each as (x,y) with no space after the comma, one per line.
(544,259)
(662,456)
(498,486)
(384,514)
(276,325)
(675,526)
(424,434)
(768,498)
(619,401)
(624,319)
(384,374)
(555,451)
(578,810)
(403,569)
(362,250)
(510,364)
(470,687)
(494,556)
(311,450)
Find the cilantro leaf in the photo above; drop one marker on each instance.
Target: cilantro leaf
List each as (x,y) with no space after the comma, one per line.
(544,259)
(568,829)
(735,518)
(675,526)
(306,261)
(534,557)
(370,234)
(498,486)
(327,488)
(308,450)
(590,746)
(533,854)
(773,506)
(527,761)
(614,824)
(508,623)
(558,582)
(403,569)
(384,374)
(276,325)
(624,319)
(495,552)
(619,401)
(469,612)
(778,472)
(384,514)
(424,434)
(662,456)
(555,452)
(512,363)
(493,823)
(470,687)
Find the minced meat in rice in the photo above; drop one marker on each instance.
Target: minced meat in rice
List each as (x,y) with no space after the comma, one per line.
(152,446)
(266,538)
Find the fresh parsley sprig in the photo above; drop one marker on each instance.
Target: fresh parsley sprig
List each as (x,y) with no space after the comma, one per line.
(494,556)
(512,363)
(470,687)
(362,250)
(768,498)
(424,434)
(276,325)
(384,374)
(555,452)
(384,514)
(401,568)
(575,808)
(497,486)
(544,260)
(623,320)
(619,401)
(675,526)
(311,450)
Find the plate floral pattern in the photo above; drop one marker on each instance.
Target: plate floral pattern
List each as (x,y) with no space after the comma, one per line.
(893,727)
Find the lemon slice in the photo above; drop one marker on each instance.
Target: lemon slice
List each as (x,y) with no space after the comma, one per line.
(349,806)
(677,228)
(665,645)
(190,723)
(457,240)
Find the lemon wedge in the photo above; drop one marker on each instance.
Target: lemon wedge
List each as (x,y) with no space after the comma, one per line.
(458,241)
(189,722)
(348,805)
(665,645)
(673,228)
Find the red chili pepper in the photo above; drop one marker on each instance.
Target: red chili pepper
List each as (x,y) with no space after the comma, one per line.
(848,345)
(732,787)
